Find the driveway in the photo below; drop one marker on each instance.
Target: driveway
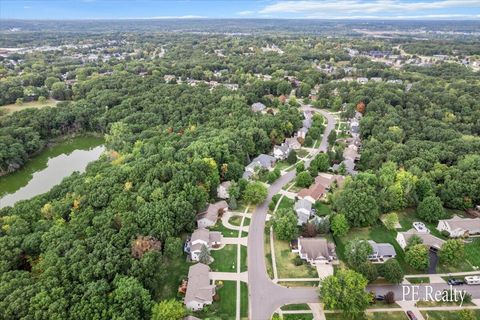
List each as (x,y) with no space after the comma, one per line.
(324,270)
(432,266)
(265,296)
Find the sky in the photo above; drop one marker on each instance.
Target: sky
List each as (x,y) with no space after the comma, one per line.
(188,9)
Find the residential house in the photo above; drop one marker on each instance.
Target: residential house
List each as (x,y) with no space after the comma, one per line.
(203,237)
(362,80)
(169,78)
(460,227)
(258,107)
(200,290)
(316,250)
(209,217)
(293,143)
(428,239)
(381,252)
(303,208)
(263,161)
(281,152)
(302,132)
(323,182)
(222,190)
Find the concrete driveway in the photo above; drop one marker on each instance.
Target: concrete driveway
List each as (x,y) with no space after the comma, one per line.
(324,270)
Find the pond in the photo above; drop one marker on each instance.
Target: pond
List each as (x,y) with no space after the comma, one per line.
(48,169)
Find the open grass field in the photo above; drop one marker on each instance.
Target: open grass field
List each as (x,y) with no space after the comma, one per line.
(225,307)
(447,315)
(11,108)
(285,266)
(225,259)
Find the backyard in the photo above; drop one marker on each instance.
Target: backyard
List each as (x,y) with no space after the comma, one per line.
(225,307)
(285,262)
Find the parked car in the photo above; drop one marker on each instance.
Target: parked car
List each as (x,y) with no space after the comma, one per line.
(455,282)
(411,316)
(472,279)
(380,298)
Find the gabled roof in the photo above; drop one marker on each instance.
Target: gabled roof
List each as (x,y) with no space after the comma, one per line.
(427,238)
(212,211)
(382,249)
(322,183)
(199,287)
(263,160)
(303,204)
(468,224)
(315,248)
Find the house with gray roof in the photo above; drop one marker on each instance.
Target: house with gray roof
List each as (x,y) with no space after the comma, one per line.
(316,250)
(203,237)
(381,252)
(200,290)
(209,217)
(263,161)
(427,239)
(303,209)
(293,143)
(258,107)
(281,152)
(459,227)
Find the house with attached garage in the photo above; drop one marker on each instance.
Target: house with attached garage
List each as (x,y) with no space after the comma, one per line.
(263,161)
(460,227)
(381,252)
(322,184)
(222,190)
(281,152)
(315,250)
(209,217)
(427,239)
(293,143)
(203,237)
(303,209)
(200,290)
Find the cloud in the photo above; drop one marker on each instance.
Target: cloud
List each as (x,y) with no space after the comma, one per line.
(340,7)
(400,17)
(245,13)
(175,17)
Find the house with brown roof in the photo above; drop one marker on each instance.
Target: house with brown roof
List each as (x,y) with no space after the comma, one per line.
(203,237)
(209,217)
(321,186)
(316,250)
(460,227)
(200,290)
(427,239)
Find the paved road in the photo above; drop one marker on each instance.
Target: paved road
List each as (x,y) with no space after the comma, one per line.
(265,296)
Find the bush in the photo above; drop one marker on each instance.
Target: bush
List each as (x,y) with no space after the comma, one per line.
(390,297)
(297,261)
(304,179)
(445,233)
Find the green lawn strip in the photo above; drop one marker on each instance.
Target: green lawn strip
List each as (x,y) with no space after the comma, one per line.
(243,258)
(286,268)
(282,165)
(472,252)
(268,253)
(246,222)
(446,315)
(302,316)
(177,270)
(394,315)
(383,305)
(301,306)
(298,283)
(427,304)
(243,300)
(224,230)
(225,259)
(322,208)
(302,153)
(235,220)
(225,307)
(418,280)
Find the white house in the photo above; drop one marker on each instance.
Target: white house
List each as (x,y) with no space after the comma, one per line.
(460,227)
(200,290)
(316,250)
(362,80)
(203,237)
(293,143)
(222,190)
(428,239)
(303,208)
(381,252)
(281,152)
(209,217)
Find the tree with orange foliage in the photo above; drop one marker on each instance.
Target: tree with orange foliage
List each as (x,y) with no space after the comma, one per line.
(361,107)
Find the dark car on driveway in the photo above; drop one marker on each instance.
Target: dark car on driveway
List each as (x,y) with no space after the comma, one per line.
(411,316)
(455,282)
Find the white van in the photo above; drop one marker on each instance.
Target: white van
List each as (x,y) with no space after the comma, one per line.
(472,280)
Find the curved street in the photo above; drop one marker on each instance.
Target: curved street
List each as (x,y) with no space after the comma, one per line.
(265,296)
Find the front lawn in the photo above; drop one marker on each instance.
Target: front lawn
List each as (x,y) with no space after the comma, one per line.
(243,258)
(237,221)
(446,315)
(243,300)
(472,252)
(225,259)
(225,307)
(224,230)
(419,280)
(286,203)
(285,267)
